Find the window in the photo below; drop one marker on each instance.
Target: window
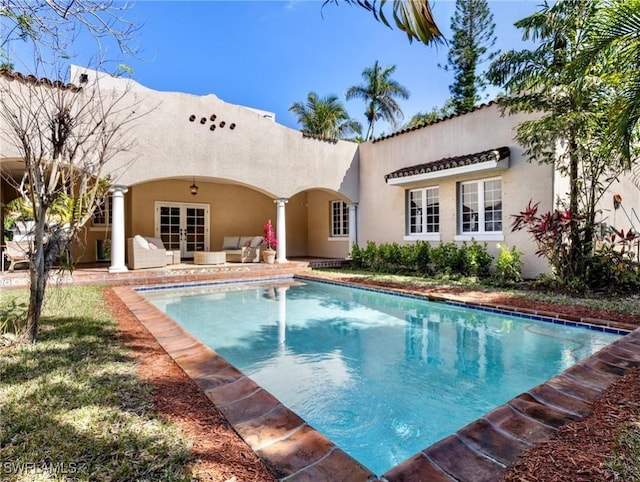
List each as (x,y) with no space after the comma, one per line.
(103,212)
(339,219)
(423,211)
(481,206)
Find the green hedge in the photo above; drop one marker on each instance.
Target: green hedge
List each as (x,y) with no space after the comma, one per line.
(420,258)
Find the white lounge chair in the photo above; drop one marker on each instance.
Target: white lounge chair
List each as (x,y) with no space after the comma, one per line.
(17,252)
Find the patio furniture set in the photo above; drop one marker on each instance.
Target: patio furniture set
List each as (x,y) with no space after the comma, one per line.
(148,252)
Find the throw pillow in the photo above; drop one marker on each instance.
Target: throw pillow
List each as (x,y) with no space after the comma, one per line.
(246,244)
(141,241)
(256,241)
(152,246)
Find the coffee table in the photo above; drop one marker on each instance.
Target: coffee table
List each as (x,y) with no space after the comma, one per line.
(209,257)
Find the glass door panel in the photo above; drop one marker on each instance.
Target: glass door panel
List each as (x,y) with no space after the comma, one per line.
(183,227)
(195,229)
(169,227)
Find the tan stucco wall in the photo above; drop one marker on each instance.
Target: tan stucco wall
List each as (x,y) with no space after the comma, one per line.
(257,152)
(628,213)
(381,210)
(319,227)
(297,215)
(233,210)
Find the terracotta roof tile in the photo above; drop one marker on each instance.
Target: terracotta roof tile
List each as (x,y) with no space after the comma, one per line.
(32,79)
(450,162)
(317,137)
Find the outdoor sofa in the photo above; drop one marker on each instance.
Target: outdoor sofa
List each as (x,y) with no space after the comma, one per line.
(242,249)
(148,252)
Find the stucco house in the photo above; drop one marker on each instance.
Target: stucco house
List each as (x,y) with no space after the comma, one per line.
(202,169)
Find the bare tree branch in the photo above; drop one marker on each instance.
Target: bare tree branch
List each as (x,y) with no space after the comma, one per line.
(53,26)
(66,137)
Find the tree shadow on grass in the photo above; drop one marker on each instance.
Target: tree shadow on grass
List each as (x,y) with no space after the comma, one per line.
(72,406)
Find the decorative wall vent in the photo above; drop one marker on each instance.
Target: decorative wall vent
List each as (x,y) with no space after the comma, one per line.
(212,118)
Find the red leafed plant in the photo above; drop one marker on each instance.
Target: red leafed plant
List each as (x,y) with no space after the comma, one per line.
(269,235)
(551,232)
(612,264)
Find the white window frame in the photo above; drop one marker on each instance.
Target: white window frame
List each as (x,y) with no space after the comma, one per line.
(108,214)
(426,194)
(338,225)
(481,234)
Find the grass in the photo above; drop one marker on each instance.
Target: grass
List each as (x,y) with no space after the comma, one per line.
(627,454)
(72,407)
(627,303)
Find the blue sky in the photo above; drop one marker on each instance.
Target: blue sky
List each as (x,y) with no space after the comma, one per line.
(270,54)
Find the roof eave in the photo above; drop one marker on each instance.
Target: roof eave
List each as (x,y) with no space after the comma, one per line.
(487,166)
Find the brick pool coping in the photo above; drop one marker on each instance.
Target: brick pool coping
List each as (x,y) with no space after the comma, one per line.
(480,451)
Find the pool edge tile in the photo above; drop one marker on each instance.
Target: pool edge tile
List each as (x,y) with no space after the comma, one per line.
(292,454)
(462,462)
(334,462)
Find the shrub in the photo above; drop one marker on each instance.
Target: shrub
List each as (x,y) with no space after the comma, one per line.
(474,260)
(370,256)
(415,257)
(420,258)
(445,259)
(613,265)
(389,257)
(509,265)
(357,256)
(423,257)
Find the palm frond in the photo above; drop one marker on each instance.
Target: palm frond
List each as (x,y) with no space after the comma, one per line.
(413,17)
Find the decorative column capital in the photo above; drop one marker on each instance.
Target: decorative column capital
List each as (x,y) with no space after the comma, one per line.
(118,189)
(280,202)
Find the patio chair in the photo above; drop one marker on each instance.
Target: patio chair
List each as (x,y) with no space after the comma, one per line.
(142,254)
(17,252)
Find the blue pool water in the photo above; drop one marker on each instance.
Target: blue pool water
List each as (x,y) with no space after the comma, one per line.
(383,376)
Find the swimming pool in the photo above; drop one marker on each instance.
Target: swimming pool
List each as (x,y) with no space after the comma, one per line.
(383,376)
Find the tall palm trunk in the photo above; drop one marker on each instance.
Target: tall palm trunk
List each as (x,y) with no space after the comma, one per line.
(369,132)
(575,249)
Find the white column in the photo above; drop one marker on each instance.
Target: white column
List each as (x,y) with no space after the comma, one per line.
(117,229)
(281,231)
(353,226)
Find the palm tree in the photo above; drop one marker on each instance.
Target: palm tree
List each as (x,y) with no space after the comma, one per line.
(615,41)
(379,92)
(325,117)
(413,17)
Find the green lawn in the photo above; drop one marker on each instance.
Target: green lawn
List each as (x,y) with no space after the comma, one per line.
(72,407)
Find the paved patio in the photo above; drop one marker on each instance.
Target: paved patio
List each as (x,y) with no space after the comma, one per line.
(186,272)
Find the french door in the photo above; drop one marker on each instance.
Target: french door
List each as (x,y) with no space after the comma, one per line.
(183,226)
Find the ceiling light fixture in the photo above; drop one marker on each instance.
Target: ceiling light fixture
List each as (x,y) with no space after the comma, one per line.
(194,188)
